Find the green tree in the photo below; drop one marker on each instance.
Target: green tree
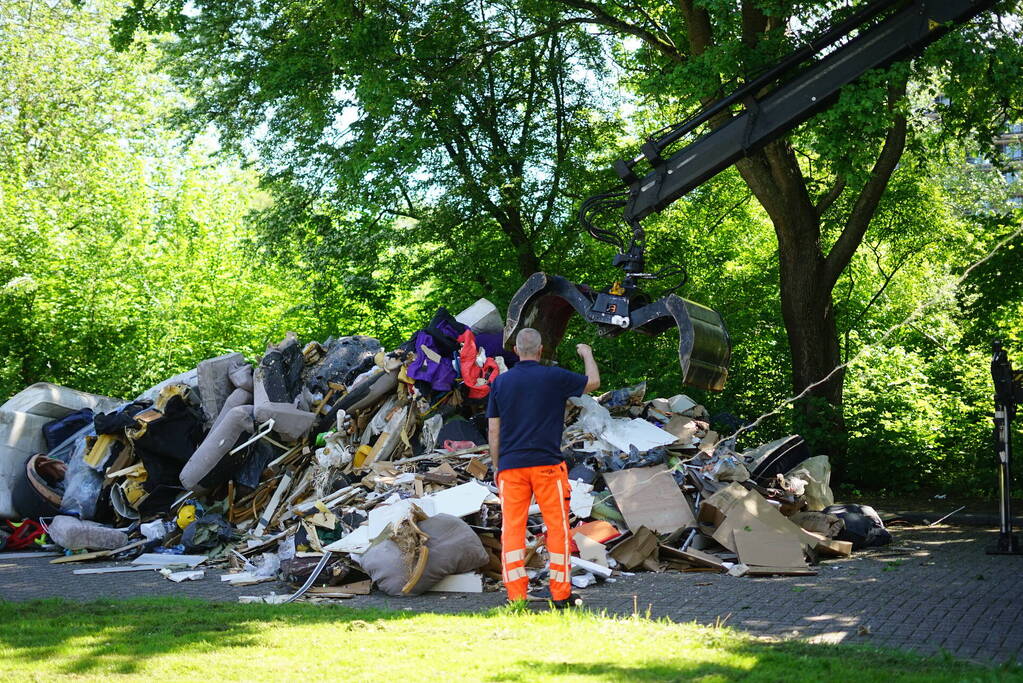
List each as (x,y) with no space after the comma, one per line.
(460,117)
(821,187)
(124,257)
(408,145)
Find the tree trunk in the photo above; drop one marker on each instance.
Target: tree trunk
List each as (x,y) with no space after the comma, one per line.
(510,220)
(809,315)
(774,176)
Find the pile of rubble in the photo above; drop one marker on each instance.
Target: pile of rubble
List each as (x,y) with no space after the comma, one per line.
(335,466)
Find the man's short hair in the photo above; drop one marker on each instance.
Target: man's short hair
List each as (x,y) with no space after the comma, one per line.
(528,342)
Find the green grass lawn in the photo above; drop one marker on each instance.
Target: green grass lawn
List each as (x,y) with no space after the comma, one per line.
(174,639)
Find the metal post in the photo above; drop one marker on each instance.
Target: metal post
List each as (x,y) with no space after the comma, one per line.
(1006,391)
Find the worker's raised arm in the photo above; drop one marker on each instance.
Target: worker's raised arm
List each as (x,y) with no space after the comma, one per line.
(590,365)
(494,439)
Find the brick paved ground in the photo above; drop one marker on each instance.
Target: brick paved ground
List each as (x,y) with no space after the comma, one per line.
(933,590)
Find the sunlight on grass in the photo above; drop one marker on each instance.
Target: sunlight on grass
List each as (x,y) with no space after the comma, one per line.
(177,639)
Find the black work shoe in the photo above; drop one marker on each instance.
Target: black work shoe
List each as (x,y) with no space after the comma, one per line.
(573,600)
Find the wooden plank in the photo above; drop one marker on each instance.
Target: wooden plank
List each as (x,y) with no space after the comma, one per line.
(117,570)
(477,469)
(699,558)
(324,402)
(357,587)
(275,500)
(275,464)
(350,590)
(98,554)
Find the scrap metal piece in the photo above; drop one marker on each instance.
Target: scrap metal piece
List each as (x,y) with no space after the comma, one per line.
(317,570)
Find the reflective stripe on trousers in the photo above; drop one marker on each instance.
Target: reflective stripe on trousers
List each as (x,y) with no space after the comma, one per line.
(549,485)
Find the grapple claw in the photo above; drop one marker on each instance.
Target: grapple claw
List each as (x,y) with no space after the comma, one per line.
(547,302)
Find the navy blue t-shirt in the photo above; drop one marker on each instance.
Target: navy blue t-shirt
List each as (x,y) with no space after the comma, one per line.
(530,400)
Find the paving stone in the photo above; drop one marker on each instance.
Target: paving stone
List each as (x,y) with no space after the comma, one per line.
(927,608)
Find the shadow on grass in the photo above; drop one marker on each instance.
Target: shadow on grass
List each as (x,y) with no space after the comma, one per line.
(121,635)
(58,637)
(773,661)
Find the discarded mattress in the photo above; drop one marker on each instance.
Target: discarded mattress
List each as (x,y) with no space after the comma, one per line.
(22,419)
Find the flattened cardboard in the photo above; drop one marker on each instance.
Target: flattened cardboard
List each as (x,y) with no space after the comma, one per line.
(829,547)
(477,469)
(759,545)
(682,427)
(356,587)
(639,550)
(714,508)
(649,497)
(780,571)
(754,507)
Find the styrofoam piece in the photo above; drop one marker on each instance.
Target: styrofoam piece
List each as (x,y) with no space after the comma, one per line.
(186,575)
(624,434)
(591,567)
(470,582)
(356,542)
(584,580)
(162,560)
(458,501)
(582,498)
(482,316)
(681,403)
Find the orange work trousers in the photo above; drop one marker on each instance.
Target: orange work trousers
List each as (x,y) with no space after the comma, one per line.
(549,484)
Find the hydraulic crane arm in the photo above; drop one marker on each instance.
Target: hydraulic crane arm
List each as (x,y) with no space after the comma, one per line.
(766,117)
(764,109)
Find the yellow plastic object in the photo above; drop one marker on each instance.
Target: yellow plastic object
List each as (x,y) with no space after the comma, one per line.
(133,491)
(362,454)
(100,450)
(186,515)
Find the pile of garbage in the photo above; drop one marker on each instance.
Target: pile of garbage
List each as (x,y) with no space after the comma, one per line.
(337,466)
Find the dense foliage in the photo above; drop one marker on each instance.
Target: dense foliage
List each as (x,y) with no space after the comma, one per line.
(409,155)
(124,257)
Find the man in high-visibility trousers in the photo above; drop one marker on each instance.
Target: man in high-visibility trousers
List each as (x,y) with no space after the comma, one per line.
(526,418)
